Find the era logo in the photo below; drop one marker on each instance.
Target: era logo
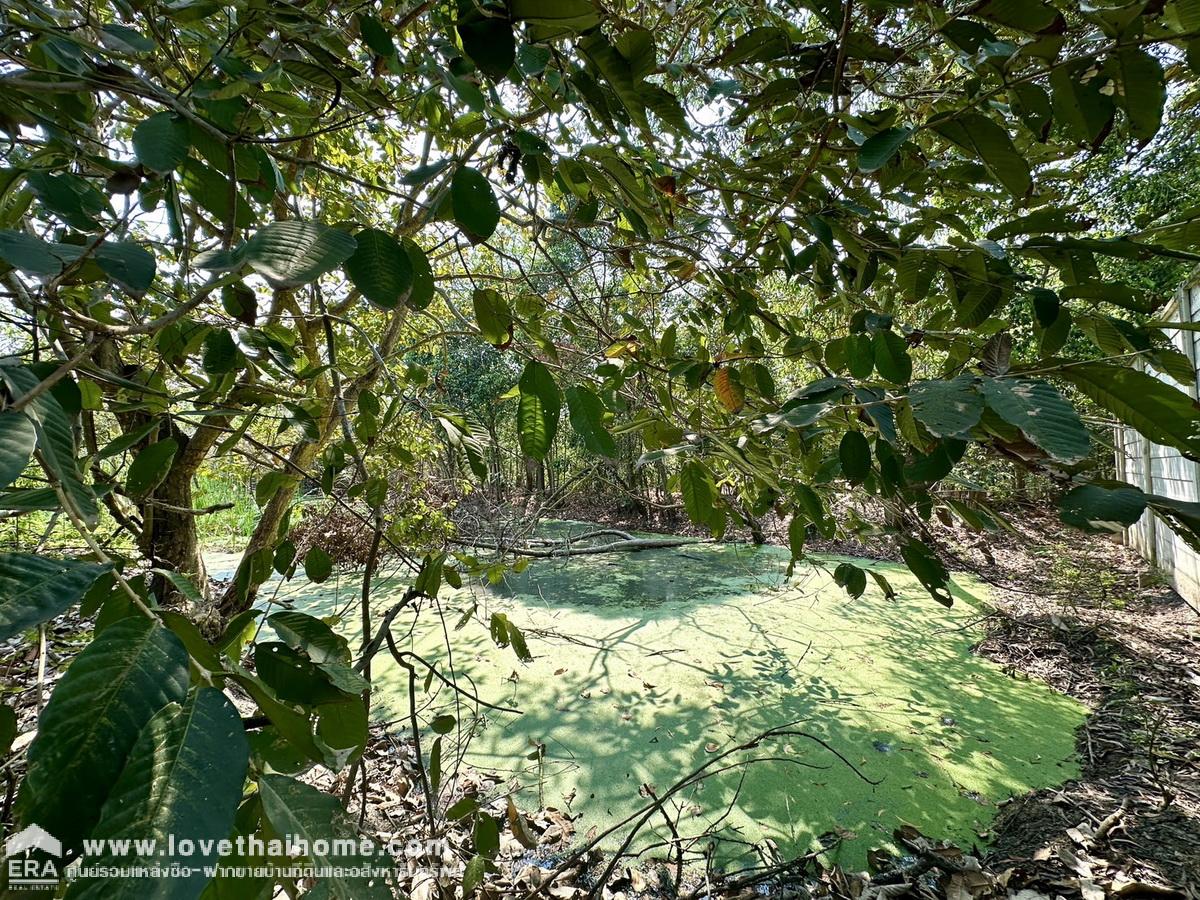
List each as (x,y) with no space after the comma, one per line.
(27,864)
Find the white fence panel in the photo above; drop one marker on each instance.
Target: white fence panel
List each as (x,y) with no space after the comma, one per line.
(1163,470)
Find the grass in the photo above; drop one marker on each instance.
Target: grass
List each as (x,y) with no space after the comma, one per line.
(226,529)
(646,665)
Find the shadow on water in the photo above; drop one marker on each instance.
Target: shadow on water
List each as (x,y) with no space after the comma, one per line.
(647,664)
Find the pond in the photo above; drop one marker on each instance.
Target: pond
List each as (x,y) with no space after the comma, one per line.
(648,665)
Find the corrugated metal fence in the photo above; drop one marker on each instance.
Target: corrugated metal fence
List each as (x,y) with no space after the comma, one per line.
(1162,470)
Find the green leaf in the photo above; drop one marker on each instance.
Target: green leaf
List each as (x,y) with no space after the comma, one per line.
(17,440)
(875,152)
(150,467)
(797,528)
(317,565)
(203,654)
(487,835)
(56,441)
(947,408)
(342,731)
(929,570)
(1030,16)
(555,17)
(1164,414)
(375,36)
(301,631)
(538,409)
(493,315)
(607,62)
(36,588)
(587,418)
(31,254)
(990,142)
(292,253)
(162,142)
(1050,220)
(851,577)
(184,781)
(424,174)
(293,677)
(130,265)
(488,40)
(473,874)
(8,729)
(891,357)
(220,352)
(1079,106)
(31,500)
(1143,91)
(421,293)
(854,453)
(429,579)
(476,209)
(1044,417)
(211,191)
(271,484)
(1107,507)
(699,494)
(380,268)
(112,689)
(296,809)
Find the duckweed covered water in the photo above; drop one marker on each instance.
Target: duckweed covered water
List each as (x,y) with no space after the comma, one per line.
(647,665)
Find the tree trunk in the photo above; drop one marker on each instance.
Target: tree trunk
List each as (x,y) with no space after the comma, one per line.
(169,537)
(266,532)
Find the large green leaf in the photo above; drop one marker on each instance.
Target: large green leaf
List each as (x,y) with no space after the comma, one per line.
(17,440)
(1044,417)
(891,357)
(380,268)
(854,453)
(538,409)
(493,315)
(211,191)
(556,16)
(308,633)
(421,293)
(947,408)
(296,809)
(1164,414)
(113,688)
(128,264)
(291,253)
(1143,91)
(34,588)
(56,441)
(587,418)
(318,565)
(1109,506)
(699,496)
(184,780)
(924,563)
(476,209)
(879,148)
(990,142)
(488,40)
(161,142)
(31,254)
(150,467)
(1079,104)
(1031,16)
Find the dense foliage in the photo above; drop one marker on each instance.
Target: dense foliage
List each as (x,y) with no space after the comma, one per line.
(771,252)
